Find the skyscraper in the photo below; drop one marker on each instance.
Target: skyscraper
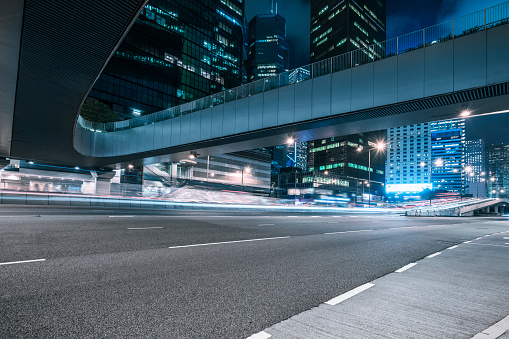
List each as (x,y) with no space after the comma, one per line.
(498,169)
(176,52)
(475,160)
(268,53)
(338,27)
(409,156)
(447,141)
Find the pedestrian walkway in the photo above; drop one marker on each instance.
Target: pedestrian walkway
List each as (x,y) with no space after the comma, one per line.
(460,292)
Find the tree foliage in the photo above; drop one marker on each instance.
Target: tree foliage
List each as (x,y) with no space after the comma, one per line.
(94,110)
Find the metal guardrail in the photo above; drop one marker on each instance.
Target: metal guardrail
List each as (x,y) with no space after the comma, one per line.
(468,24)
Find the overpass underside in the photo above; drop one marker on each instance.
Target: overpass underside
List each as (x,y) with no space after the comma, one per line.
(432,83)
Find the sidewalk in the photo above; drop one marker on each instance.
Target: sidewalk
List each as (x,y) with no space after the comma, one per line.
(460,292)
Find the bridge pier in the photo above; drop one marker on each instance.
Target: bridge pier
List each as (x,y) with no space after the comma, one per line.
(102,182)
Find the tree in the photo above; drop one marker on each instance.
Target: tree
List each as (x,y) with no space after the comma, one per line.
(96,111)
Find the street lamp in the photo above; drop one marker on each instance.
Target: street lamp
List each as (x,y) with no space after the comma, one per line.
(492,179)
(291,141)
(379,146)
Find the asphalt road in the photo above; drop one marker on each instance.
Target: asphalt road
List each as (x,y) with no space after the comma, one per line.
(132,274)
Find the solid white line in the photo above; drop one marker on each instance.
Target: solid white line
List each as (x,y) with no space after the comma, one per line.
(292,216)
(348,232)
(348,295)
(494,331)
(21,262)
(143,228)
(315,216)
(266,224)
(121,216)
(452,247)
(434,255)
(506,237)
(260,335)
(467,242)
(228,242)
(404,268)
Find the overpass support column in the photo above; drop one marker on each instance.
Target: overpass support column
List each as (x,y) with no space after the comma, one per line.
(496,209)
(501,210)
(487,210)
(102,182)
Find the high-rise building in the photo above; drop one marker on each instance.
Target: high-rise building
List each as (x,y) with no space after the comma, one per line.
(475,160)
(447,156)
(498,170)
(409,156)
(348,156)
(338,27)
(268,53)
(177,51)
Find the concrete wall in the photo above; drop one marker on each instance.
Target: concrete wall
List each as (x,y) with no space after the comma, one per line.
(467,62)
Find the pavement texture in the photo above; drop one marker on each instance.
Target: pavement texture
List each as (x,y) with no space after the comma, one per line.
(467,295)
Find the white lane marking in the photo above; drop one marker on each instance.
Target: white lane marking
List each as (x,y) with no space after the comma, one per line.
(315,216)
(434,255)
(20,262)
(260,335)
(266,224)
(467,242)
(494,331)
(292,216)
(228,242)
(452,247)
(333,222)
(404,268)
(354,216)
(143,228)
(121,216)
(337,216)
(348,232)
(506,237)
(348,295)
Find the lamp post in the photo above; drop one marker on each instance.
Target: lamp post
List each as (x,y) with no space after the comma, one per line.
(379,146)
(492,179)
(247,169)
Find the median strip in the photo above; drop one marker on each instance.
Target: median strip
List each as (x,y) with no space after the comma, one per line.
(21,262)
(348,295)
(228,242)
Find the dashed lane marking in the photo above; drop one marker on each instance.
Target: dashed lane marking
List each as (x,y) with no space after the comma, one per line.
(452,247)
(227,242)
(144,228)
(348,232)
(266,224)
(21,262)
(348,295)
(260,335)
(404,268)
(434,255)
(494,331)
(121,216)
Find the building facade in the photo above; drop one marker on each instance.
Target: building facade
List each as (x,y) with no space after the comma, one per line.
(268,51)
(475,161)
(447,154)
(177,51)
(338,27)
(352,156)
(498,170)
(409,156)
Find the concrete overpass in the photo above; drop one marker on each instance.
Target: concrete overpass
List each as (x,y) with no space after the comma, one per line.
(427,75)
(356,92)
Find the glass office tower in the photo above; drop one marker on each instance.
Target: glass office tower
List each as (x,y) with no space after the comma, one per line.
(447,156)
(268,53)
(338,27)
(176,52)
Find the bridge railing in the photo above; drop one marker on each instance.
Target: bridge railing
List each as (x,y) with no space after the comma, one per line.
(468,24)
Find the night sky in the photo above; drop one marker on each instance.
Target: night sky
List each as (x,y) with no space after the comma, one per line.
(403,16)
